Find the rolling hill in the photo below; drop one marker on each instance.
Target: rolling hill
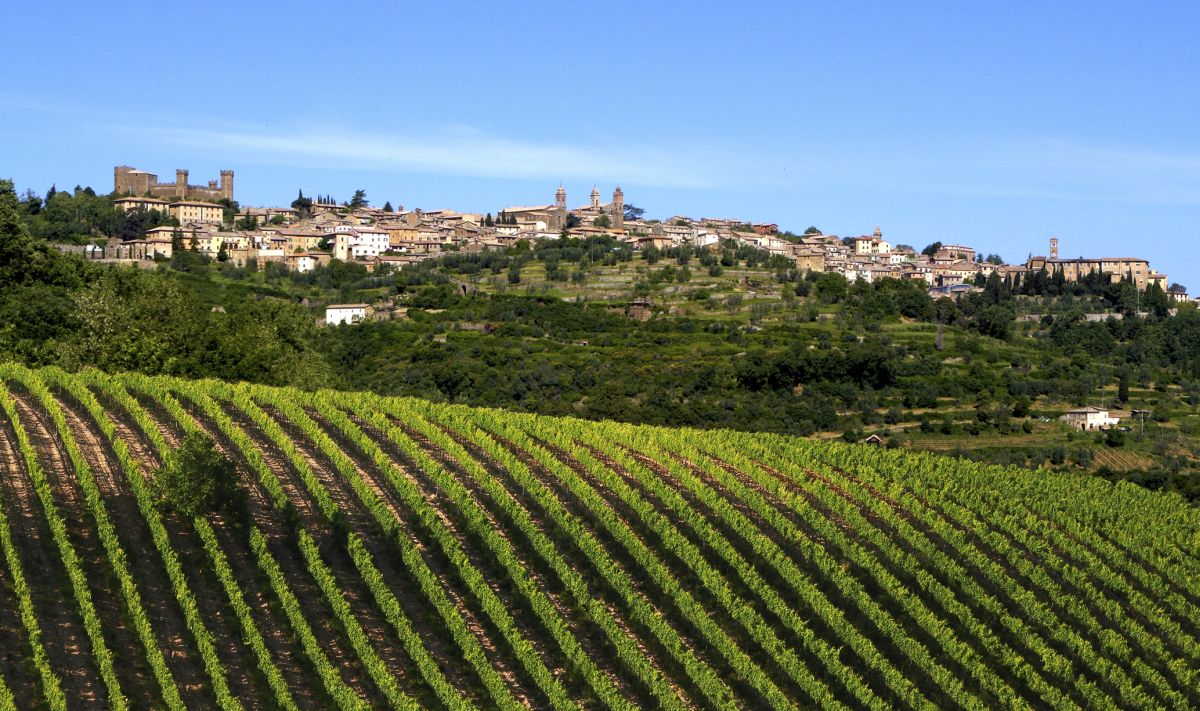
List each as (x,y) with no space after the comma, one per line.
(392,553)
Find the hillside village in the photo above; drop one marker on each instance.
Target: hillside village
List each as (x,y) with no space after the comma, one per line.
(714,322)
(311,232)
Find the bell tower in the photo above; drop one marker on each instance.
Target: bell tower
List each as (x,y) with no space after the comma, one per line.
(1054,248)
(560,208)
(618,218)
(595,197)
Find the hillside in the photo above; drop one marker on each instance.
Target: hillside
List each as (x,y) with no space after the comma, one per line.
(392,552)
(724,338)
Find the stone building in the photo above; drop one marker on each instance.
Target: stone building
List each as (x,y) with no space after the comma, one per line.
(131,181)
(1114,269)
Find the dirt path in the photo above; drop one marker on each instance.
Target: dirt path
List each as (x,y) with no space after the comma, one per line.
(650,592)
(129,659)
(147,568)
(67,644)
(490,639)
(303,683)
(287,555)
(385,555)
(591,638)
(483,559)
(213,607)
(334,554)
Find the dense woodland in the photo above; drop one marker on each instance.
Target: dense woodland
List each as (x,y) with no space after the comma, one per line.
(840,360)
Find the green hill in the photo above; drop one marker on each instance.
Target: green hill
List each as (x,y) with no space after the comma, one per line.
(395,553)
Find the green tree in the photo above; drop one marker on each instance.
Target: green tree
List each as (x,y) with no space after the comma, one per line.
(387,206)
(633,212)
(831,287)
(358,200)
(198,479)
(931,249)
(222,253)
(602,221)
(302,206)
(25,259)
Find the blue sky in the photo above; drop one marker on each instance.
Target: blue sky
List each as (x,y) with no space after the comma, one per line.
(995,124)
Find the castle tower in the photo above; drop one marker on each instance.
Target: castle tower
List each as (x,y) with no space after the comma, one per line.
(618,218)
(181,184)
(595,197)
(1054,248)
(560,197)
(227,184)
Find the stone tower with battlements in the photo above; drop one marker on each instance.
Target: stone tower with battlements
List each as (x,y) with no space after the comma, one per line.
(1054,248)
(618,208)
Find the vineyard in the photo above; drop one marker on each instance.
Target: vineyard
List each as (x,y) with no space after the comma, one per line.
(393,553)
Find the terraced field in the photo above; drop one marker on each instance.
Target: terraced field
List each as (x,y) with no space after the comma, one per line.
(396,553)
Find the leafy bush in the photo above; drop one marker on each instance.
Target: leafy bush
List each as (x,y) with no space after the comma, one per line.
(199,479)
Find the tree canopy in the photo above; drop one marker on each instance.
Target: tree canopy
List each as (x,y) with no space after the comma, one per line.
(198,479)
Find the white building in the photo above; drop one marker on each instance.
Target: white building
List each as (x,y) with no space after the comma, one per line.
(359,243)
(1090,418)
(301,262)
(872,245)
(345,313)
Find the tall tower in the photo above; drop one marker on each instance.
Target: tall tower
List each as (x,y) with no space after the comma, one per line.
(560,208)
(227,184)
(595,196)
(618,217)
(1054,248)
(181,178)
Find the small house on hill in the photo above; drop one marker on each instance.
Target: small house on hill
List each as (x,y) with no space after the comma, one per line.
(346,313)
(1089,418)
(639,310)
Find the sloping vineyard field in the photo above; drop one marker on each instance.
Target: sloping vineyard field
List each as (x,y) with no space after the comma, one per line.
(393,553)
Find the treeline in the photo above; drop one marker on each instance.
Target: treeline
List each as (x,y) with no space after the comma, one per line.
(59,309)
(81,216)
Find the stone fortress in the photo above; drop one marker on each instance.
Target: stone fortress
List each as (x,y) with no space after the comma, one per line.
(131,181)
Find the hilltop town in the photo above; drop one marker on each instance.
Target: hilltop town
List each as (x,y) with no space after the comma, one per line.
(311,232)
(600,312)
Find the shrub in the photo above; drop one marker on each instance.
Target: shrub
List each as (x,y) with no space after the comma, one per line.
(199,479)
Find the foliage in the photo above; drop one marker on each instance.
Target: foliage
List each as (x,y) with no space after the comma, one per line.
(198,479)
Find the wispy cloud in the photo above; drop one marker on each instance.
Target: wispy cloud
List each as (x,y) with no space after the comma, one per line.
(455,151)
(1038,168)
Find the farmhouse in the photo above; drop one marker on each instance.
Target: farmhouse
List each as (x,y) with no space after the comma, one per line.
(345,313)
(1089,418)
